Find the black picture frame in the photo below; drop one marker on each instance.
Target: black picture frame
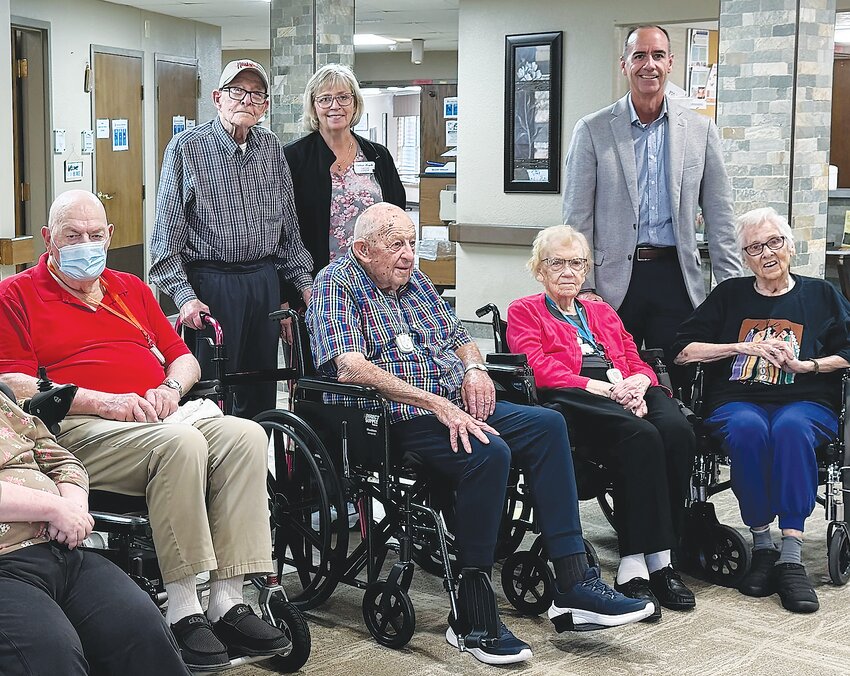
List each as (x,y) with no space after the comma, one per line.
(533,112)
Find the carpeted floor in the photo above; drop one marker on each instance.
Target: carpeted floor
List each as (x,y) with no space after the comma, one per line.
(727,633)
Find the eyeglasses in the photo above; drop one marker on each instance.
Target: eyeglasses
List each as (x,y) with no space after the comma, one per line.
(558,264)
(326,100)
(238,94)
(774,244)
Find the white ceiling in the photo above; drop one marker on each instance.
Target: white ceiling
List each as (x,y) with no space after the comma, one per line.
(245,23)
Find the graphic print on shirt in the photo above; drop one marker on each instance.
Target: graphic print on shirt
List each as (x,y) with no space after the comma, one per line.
(752,369)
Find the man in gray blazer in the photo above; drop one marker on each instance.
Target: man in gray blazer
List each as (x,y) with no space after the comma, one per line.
(636,173)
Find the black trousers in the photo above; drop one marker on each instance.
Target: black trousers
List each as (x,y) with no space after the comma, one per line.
(241,296)
(650,458)
(655,305)
(532,436)
(75,613)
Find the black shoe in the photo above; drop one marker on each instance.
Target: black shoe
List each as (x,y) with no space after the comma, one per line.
(199,647)
(670,591)
(243,632)
(794,588)
(758,581)
(638,588)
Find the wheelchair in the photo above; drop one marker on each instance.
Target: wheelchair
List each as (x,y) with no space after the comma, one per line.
(720,550)
(122,533)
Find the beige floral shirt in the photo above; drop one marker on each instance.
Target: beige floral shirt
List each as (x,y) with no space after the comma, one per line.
(30,456)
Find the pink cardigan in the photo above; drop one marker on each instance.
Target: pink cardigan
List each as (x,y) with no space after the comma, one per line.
(552,345)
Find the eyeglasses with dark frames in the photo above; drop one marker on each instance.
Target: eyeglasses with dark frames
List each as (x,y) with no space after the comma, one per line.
(774,244)
(238,94)
(558,264)
(326,100)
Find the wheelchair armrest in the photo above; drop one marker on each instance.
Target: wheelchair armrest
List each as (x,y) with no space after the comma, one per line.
(330,386)
(649,355)
(121,523)
(211,389)
(507,359)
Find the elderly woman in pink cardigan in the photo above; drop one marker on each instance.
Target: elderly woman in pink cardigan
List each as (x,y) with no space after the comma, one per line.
(584,360)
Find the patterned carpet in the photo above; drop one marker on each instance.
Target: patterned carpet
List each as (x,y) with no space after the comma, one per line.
(727,633)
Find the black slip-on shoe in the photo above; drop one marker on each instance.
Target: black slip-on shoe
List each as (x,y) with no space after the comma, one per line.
(794,587)
(244,633)
(758,581)
(667,586)
(199,647)
(638,588)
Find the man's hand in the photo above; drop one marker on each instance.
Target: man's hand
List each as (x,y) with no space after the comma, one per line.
(307,294)
(164,400)
(128,407)
(478,394)
(190,313)
(589,295)
(70,523)
(286,326)
(461,424)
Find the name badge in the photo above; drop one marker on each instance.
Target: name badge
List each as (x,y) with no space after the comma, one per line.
(364,167)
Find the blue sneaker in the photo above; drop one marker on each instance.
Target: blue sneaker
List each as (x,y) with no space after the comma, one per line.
(506,649)
(591,604)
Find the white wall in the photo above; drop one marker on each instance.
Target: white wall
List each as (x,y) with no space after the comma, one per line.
(74,27)
(488,273)
(396,66)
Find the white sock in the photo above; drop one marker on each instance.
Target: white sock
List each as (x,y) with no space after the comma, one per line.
(224,594)
(658,560)
(182,599)
(631,566)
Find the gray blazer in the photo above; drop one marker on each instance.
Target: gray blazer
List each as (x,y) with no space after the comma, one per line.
(601,197)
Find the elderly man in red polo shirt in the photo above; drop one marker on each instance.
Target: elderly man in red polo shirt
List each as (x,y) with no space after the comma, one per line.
(204,482)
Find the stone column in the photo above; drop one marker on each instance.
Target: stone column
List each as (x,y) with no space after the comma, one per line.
(305,35)
(774,98)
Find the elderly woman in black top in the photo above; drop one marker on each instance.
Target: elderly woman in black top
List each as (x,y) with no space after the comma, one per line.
(336,174)
(773,347)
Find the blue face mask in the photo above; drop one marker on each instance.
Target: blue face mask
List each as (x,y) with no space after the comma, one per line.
(83,262)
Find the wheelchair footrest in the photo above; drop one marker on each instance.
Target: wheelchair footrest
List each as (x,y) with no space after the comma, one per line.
(477,609)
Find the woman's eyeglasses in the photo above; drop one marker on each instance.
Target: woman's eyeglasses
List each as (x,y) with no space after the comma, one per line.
(558,264)
(326,100)
(774,244)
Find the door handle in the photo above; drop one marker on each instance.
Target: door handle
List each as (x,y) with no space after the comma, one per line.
(104,196)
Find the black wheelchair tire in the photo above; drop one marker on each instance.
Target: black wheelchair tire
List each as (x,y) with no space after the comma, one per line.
(527,582)
(392,620)
(291,622)
(724,556)
(838,556)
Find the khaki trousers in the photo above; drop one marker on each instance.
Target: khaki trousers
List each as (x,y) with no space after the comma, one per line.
(205,486)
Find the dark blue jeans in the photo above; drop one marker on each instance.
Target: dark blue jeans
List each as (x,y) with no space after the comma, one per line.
(772,453)
(533,437)
(75,613)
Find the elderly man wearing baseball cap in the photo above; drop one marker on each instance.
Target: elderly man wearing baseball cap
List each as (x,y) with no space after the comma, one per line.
(226,227)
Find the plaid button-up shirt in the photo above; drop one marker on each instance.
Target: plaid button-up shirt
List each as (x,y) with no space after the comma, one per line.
(218,203)
(348,313)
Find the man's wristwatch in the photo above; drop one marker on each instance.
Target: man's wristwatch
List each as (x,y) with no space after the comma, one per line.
(174,385)
(480,367)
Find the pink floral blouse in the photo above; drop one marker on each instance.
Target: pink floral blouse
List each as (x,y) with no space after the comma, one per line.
(351,194)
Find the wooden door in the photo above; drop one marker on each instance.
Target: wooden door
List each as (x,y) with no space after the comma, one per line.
(432,124)
(176,97)
(119,162)
(839,147)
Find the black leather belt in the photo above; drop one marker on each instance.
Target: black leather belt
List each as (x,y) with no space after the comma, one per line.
(651,253)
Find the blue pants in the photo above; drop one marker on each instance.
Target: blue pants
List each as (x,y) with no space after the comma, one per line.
(772,453)
(536,438)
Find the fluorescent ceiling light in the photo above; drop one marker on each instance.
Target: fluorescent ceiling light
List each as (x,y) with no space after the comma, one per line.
(842,36)
(371,39)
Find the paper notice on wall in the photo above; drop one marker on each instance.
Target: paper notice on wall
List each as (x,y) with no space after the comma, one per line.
(190,124)
(846,240)
(103,127)
(450,107)
(87,141)
(178,124)
(451,133)
(120,139)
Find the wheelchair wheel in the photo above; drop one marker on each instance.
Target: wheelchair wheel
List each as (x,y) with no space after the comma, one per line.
(388,614)
(310,529)
(838,552)
(527,582)
(724,555)
(516,517)
(292,623)
(606,504)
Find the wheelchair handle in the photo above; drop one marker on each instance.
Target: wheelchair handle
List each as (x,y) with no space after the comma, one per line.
(208,320)
(490,307)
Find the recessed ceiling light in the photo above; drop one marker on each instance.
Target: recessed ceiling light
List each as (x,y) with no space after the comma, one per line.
(371,39)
